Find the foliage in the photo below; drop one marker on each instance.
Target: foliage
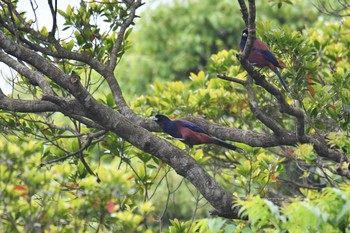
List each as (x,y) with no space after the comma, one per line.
(61,197)
(327,211)
(174,38)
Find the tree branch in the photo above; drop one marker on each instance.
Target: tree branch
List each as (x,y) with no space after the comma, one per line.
(260,115)
(33,106)
(107,73)
(33,76)
(114,54)
(244,11)
(53,10)
(318,187)
(251,28)
(248,137)
(235,80)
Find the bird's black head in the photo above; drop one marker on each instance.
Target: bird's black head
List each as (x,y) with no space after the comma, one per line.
(243,39)
(245,33)
(161,119)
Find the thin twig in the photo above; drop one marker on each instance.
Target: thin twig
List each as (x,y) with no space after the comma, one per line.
(86,145)
(236,80)
(300,185)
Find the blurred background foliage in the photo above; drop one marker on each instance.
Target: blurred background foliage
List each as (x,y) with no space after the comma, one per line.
(177,49)
(174,38)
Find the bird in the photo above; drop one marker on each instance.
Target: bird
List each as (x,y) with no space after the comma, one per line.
(261,56)
(190,133)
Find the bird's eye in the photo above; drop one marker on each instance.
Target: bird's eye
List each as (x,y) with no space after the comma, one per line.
(245,34)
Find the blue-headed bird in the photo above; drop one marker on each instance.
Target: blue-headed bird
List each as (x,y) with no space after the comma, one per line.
(260,56)
(190,133)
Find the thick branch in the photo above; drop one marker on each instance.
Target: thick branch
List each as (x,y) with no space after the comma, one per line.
(26,105)
(33,76)
(38,106)
(47,68)
(182,163)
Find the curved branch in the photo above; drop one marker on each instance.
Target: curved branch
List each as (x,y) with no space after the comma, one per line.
(53,10)
(244,11)
(107,73)
(32,76)
(47,68)
(114,54)
(260,115)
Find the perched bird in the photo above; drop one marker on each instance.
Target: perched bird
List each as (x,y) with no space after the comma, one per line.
(190,133)
(261,56)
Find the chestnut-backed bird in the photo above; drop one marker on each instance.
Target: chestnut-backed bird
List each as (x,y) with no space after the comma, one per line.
(190,133)
(260,56)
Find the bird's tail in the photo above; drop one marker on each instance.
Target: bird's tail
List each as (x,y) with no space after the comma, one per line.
(281,79)
(228,146)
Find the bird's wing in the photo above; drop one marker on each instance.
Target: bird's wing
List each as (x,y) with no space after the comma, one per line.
(270,57)
(264,50)
(191,126)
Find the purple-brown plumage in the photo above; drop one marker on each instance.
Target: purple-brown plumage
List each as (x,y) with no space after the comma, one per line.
(260,56)
(190,133)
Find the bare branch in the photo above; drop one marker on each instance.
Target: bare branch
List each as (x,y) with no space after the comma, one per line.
(244,11)
(75,153)
(53,10)
(264,118)
(318,187)
(235,80)
(34,106)
(338,9)
(87,143)
(114,54)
